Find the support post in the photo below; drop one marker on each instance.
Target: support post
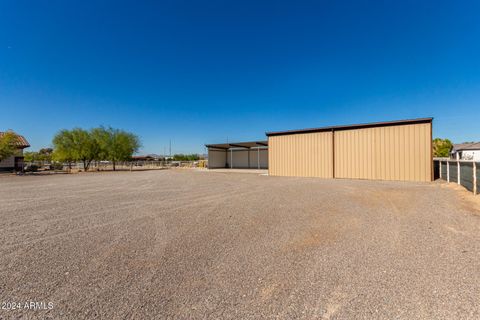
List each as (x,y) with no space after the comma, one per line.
(440,168)
(258,158)
(458,172)
(231,159)
(475,178)
(448,171)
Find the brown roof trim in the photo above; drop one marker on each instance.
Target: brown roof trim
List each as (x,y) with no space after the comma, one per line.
(246,145)
(352,126)
(466,146)
(21,142)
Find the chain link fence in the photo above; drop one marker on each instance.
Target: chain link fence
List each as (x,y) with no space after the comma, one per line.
(463,172)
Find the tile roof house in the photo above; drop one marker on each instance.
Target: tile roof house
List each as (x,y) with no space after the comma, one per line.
(466,151)
(15,162)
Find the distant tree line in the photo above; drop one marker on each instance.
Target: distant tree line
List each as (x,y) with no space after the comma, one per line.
(186,157)
(43,155)
(97,144)
(114,145)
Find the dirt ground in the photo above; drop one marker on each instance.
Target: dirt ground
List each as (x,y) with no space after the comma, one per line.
(194,244)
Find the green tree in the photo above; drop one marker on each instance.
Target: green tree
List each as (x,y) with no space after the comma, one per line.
(103,139)
(7,145)
(63,147)
(30,156)
(44,154)
(115,144)
(86,148)
(75,145)
(442,147)
(186,157)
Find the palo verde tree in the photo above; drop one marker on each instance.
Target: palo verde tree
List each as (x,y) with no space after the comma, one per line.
(86,147)
(75,145)
(95,144)
(7,144)
(63,147)
(442,147)
(115,144)
(44,154)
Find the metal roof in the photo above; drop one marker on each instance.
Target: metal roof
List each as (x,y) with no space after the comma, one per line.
(246,145)
(466,146)
(21,141)
(352,126)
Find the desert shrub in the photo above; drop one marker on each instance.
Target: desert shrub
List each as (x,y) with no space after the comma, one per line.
(31,168)
(57,166)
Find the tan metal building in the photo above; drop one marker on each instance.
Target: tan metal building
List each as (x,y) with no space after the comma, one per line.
(395,150)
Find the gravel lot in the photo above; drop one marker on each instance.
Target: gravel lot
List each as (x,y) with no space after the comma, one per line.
(188,244)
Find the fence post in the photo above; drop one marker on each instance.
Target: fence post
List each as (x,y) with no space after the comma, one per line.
(448,171)
(474,178)
(458,172)
(440,168)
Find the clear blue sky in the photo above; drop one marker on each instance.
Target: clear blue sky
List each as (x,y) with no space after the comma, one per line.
(200,71)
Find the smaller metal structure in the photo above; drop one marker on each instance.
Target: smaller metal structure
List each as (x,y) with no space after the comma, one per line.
(238,155)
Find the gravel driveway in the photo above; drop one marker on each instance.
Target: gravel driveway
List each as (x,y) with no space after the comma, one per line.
(188,244)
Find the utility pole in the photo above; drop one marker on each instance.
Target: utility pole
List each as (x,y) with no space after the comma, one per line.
(170,148)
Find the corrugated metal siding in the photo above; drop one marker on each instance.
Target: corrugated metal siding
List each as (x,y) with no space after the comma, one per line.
(453,171)
(400,152)
(443,168)
(466,175)
(217,159)
(263,158)
(239,157)
(384,153)
(301,155)
(222,159)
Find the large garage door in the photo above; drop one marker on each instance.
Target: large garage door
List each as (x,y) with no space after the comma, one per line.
(301,155)
(384,153)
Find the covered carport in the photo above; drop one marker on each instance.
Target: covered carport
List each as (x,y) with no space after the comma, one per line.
(238,155)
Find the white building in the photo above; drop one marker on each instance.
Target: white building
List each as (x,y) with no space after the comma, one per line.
(466,151)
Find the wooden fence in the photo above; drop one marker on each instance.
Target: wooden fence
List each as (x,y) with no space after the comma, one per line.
(463,172)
